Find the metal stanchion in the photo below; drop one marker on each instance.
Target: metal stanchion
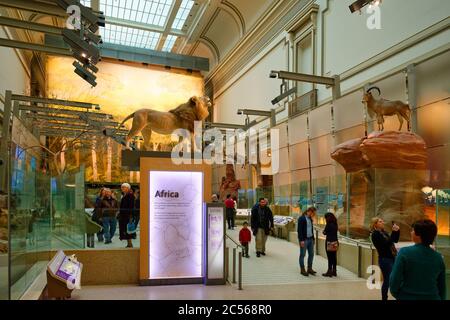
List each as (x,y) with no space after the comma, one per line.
(234,265)
(317,242)
(359,260)
(227,251)
(240,271)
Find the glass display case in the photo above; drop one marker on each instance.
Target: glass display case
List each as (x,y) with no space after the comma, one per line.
(442,202)
(46,214)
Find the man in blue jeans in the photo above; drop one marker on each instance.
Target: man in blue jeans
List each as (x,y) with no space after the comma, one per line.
(305,232)
(109,208)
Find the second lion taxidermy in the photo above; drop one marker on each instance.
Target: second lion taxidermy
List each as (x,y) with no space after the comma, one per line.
(146,121)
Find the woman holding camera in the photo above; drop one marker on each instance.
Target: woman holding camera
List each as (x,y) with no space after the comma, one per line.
(385,245)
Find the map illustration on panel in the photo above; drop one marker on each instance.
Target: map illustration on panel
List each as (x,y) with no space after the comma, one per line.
(175,212)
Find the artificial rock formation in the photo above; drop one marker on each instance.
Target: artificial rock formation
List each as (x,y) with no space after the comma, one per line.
(389,150)
(388,171)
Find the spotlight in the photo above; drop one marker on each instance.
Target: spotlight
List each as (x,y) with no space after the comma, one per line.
(240,112)
(273,74)
(83,42)
(84,73)
(359,4)
(89,51)
(284,95)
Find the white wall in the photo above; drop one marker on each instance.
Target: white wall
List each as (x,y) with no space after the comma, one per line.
(254,89)
(12,73)
(349,42)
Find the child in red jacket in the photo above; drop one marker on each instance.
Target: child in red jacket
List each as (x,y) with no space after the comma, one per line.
(245,237)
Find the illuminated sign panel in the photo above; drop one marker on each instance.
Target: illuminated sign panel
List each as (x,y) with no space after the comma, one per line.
(175,224)
(216,242)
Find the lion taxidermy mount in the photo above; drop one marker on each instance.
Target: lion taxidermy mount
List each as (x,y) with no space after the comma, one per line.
(146,121)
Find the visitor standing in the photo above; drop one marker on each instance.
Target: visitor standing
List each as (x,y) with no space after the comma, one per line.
(331,243)
(385,245)
(245,236)
(108,212)
(229,207)
(137,208)
(419,271)
(305,233)
(261,224)
(214,198)
(125,213)
(96,213)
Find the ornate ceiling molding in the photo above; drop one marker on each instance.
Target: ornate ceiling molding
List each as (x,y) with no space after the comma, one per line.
(212,47)
(275,21)
(236,14)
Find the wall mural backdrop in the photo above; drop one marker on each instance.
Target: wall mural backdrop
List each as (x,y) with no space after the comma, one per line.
(122,89)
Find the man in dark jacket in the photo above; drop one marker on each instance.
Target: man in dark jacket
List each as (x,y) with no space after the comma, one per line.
(261,223)
(108,212)
(305,233)
(125,213)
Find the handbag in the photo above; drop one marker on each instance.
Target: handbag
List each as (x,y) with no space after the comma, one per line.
(131,227)
(332,246)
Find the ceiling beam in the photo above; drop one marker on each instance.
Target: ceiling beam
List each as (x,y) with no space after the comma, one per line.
(118,52)
(169,22)
(140,25)
(34,47)
(34,6)
(22,24)
(69,119)
(71,133)
(134,54)
(57,126)
(59,102)
(65,111)
(204,15)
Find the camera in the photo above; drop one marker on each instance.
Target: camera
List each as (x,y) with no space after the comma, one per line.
(273,74)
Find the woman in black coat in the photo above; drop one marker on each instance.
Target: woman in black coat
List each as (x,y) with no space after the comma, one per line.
(384,243)
(125,214)
(331,243)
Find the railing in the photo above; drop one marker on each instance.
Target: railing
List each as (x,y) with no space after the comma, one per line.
(227,256)
(359,244)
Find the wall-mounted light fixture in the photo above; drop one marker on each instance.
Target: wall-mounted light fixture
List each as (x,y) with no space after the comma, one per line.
(83,40)
(333,82)
(359,4)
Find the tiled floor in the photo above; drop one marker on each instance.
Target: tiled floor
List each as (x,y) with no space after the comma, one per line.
(344,290)
(273,277)
(281,266)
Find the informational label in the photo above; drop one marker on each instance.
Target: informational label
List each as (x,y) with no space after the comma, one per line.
(321,200)
(68,269)
(215,243)
(175,224)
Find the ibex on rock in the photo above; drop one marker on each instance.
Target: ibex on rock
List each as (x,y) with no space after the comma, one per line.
(381,107)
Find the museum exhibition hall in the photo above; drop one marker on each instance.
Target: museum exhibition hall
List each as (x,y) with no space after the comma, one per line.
(154,149)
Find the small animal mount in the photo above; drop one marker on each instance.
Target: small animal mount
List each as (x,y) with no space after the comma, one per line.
(381,107)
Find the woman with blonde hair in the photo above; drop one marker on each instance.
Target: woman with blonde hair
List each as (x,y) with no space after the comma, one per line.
(384,243)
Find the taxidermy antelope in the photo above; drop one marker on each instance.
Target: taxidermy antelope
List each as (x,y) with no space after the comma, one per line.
(381,107)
